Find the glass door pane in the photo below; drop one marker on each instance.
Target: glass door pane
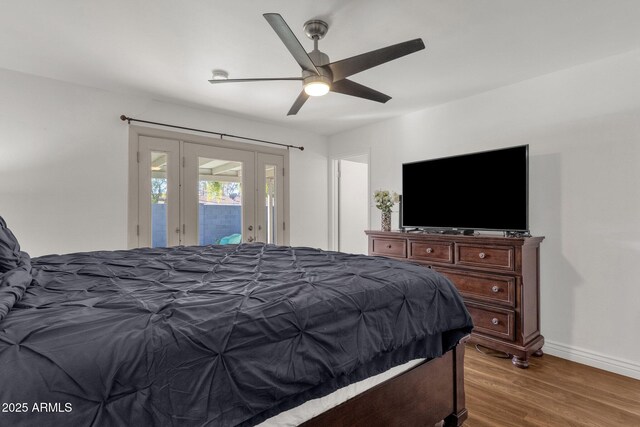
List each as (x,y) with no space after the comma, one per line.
(271,213)
(159,192)
(219,201)
(218,194)
(270,200)
(159,200)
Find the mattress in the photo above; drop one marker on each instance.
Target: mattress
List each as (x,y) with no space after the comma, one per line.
(211,335)
(312,408)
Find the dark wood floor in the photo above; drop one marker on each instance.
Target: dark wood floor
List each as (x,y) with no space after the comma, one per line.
(552,392)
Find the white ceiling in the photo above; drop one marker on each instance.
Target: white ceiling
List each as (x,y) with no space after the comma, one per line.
(167,49)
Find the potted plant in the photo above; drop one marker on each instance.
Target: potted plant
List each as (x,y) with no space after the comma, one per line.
(385,201)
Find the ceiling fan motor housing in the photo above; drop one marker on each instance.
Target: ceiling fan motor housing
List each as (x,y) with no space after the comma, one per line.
(318,58)
(325,76)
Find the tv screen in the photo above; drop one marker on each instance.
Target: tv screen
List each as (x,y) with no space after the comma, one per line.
(477,191)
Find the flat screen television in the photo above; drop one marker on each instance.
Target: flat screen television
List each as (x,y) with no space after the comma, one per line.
(478,191)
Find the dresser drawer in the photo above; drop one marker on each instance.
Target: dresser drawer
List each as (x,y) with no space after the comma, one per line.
(431,251)
(389,247)
(489,287)
(492,321)
(498,257)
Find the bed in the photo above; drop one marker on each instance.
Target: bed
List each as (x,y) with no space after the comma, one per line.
(225,335)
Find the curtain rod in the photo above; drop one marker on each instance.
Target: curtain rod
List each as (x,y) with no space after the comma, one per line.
(131,119)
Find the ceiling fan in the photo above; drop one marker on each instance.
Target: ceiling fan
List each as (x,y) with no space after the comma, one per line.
(319,76)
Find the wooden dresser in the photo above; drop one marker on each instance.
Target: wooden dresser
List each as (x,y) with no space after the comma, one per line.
(497,276)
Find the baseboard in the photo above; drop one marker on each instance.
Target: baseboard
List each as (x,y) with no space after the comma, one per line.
(590,358)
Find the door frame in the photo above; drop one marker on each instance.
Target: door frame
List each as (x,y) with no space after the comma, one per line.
(135,132)
(334,194)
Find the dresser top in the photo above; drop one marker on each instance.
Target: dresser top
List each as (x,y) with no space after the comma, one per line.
(484,238)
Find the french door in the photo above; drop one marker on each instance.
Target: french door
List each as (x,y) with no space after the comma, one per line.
(198,194)
(218,195)
(159,192)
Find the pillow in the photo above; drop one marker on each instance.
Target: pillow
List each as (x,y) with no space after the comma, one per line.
(9,249)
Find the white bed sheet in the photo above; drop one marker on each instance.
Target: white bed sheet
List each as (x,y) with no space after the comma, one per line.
(315,407)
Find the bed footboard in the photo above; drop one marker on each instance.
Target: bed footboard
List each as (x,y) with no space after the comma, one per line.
(424,395)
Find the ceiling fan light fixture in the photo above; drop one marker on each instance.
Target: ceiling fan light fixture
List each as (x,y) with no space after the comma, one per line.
(317,84)
(316,88)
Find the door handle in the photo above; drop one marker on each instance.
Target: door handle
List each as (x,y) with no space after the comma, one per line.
(250,239)
(251,228)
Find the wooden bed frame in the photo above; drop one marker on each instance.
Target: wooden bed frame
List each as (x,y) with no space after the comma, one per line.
(424,395)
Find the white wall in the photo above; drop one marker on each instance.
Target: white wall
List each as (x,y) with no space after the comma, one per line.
(63,163)
(583,128)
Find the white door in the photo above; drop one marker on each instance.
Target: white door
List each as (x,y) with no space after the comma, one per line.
(218,195)
(158,192)
(270,200)
(353,206)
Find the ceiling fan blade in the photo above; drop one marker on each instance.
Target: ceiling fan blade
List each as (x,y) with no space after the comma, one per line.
(350,66)
(348,87)
(291,42)
(300,100)
(253,80)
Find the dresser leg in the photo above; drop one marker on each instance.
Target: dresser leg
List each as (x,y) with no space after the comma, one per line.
(455,420)
(520,362)
(538,353)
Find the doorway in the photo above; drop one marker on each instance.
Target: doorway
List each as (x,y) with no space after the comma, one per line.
(198,193)
(352,204)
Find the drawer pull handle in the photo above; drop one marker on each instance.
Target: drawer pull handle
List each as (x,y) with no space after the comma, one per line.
(495,289)
(481,255)
(429,250)
(388,246)
(495,321)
